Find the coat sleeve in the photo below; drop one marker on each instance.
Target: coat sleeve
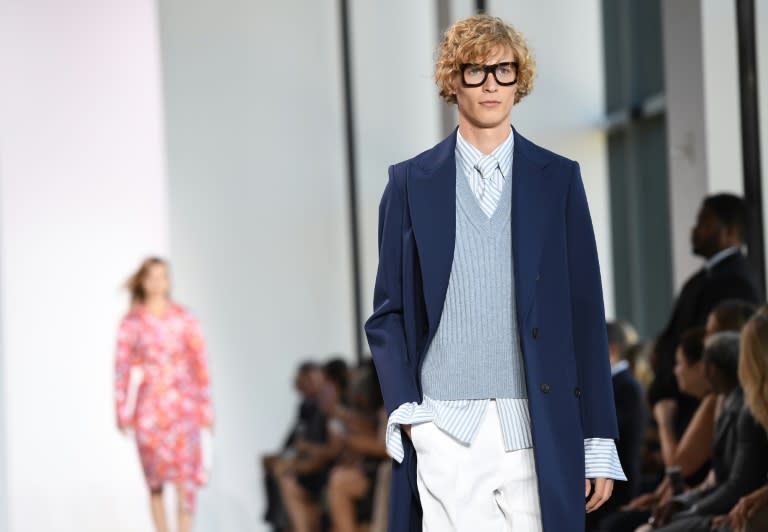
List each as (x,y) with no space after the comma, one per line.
(598,411)
(384,329)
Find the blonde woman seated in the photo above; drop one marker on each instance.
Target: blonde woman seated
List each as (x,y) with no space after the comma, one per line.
(750,514)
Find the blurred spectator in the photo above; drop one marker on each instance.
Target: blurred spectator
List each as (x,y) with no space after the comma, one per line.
(303,477)
(750,514)
(636,355)
(718,237)
(739,450)
(307,382)
(361,429)
(729,315)
(334,460)
(632,416)
(691,454)
(691,379)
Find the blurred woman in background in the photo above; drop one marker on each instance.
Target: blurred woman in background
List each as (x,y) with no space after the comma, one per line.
(160,348)
(362,430)
(751,512)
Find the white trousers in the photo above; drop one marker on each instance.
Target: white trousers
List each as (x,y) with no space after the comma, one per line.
(476,488)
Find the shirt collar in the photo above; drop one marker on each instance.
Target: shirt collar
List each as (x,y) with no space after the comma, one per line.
(618,367)
(468,155)
(720,256)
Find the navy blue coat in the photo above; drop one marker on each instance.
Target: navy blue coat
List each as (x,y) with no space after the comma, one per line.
(560,313)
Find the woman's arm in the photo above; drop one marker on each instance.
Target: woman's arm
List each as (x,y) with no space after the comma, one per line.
(695,446)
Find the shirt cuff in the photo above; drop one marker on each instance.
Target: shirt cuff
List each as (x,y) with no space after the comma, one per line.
(405,414)
(601,459)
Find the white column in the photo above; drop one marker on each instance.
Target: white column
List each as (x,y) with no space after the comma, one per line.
(722,114)
(397,105)
(82,200)
(761,16)
(686,126)
(703,114)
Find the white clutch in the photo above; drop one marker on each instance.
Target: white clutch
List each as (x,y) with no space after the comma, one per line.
(206,450)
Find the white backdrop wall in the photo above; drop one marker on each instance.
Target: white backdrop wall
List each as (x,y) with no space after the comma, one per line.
(82,200)
(396,108)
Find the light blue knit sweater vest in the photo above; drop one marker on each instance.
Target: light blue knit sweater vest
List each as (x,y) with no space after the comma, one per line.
(476,353)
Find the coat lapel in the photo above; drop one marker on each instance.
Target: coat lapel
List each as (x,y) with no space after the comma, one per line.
(432,201)
(530,212)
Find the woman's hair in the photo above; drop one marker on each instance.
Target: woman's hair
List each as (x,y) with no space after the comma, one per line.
(621,333)
(135,283)
(336,371)
(753,368)
(733,314)
(692,344)
(722,351)
(473,40)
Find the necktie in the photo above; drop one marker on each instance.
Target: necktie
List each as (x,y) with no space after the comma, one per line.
(489,186)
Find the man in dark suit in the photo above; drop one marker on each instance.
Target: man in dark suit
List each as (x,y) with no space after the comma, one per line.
(717,237)
(632,416)
(488,330)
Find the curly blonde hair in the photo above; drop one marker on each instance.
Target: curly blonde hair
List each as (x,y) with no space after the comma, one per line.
(753,365)
(473,40)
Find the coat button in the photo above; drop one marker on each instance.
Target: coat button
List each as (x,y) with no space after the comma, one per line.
(545,388)
(577,392)
(535,332)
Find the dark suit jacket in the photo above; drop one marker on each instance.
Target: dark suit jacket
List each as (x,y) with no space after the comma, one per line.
(632,415)
(560,313)
(739,460)
(729,279)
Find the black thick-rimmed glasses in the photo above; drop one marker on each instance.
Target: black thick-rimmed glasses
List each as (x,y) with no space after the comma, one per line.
(475,75)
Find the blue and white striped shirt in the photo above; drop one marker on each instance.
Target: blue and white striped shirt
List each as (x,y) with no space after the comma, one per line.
(461,419)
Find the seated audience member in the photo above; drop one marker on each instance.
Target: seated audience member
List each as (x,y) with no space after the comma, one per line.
(361,429)
(304,477)
(739,449)
(307,383)
(751,512)
(718,237)
(691,379)
(636,355)
(692,452)
(730,315)
(632,416)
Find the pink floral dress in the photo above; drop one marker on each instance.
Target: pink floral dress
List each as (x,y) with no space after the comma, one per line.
(172,399)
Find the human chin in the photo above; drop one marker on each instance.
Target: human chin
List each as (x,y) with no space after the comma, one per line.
(490,117)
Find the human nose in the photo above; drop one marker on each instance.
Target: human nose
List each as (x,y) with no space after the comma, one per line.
(490,84)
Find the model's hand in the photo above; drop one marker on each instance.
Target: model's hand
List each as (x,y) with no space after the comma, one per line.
(407,430)
(601,493)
